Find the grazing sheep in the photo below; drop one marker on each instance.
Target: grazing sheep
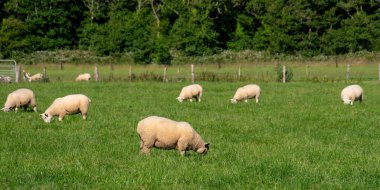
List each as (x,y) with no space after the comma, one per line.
(5,79)
(352,93)
(164,133)
(247,92)
(36,77)
(190,92)
(70,104)
(20,98)
(83,77)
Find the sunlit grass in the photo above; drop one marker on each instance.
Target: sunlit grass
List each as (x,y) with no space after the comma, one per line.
(300,136)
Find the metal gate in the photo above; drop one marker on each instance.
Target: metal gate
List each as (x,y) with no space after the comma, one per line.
(8,68)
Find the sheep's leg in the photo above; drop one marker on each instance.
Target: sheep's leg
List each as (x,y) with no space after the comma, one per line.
(35,108)
(257,100)
(191,99)
(181,146)
(60,118)
(16,109)
(145,146)
(83,110)
(246,100)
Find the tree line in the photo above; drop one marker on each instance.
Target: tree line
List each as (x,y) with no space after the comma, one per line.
(153,31)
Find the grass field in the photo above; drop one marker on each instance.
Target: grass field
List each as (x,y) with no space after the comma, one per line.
(260,72)
(300,136)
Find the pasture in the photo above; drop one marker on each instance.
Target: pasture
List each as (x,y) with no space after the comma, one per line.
(300,136)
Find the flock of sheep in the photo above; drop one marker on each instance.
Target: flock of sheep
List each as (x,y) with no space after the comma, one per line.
(154,131)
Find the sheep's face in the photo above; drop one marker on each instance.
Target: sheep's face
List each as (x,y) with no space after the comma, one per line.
(46,117)
(347,101)
(203,150)
(233,101)
(180,99)
(6,109)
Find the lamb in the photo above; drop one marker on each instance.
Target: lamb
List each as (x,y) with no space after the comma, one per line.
(247,92)
(160,132)
(352,93)
(70,104)
(5,79)
(83,77)
(22,97)
(190,92)
(36,77)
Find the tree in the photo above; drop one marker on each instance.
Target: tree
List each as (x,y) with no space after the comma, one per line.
(12,37)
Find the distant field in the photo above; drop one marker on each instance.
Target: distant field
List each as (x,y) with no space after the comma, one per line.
(300,136)
(257,72)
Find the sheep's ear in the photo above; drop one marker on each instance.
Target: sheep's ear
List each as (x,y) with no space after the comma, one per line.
(207,145)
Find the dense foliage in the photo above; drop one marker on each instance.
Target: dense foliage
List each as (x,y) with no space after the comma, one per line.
(155,30)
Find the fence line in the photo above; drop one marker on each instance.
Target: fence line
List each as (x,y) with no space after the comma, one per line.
(252,73)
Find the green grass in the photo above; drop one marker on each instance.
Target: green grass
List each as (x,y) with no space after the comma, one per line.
(300,136)
(258,72)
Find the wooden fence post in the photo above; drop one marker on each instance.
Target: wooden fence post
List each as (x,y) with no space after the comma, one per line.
(348,72)
(44,74)
(165,77)
(239,73)
(192,73)
(283,74)
(130,73)
(96,73)
(18,71)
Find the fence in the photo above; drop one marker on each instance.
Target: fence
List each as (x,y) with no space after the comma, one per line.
(9,70)
(269,72)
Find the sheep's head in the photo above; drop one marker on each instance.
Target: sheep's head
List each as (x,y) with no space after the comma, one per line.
(6,109)
(347,101)
(233,101)
(180,99)
(204,149)
(46,117)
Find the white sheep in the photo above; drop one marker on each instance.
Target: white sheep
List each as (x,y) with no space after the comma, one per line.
(83,77)
(164,133)
(20,98)
(247,92)
(5,79)
(352,93)
(36,77)
(70,104)
(190,92)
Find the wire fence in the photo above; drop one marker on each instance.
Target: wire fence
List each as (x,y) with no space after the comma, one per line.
(273,72)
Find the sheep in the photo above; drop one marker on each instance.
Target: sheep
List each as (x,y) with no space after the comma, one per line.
(352,93)
(22,97)
(190,92)
(36,77)
(70,104)
(247,92)
(83,77)
(5,79)
(160,132)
